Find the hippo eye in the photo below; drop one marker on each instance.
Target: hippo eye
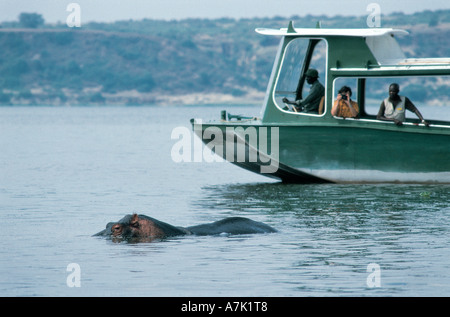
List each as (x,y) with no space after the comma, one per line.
(135,224)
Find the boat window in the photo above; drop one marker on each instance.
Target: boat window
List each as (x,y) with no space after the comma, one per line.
(349,86)
(427,93)
(300,55)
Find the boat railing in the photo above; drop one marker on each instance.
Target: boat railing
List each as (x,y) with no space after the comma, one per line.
(406,123)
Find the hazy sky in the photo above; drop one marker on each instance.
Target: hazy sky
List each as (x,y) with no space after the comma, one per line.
(112,10)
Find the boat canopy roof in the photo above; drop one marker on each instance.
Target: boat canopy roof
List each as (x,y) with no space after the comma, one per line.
(319,32)
(381,43)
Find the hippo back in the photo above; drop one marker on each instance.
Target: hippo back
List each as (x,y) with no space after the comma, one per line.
(233,225)
(168,229)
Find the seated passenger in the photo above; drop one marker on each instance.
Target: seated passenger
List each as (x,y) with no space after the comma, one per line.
(393,108)
(311,103)
(343,106)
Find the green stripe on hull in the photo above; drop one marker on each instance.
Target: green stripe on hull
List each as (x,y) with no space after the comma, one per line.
(337,153)
(363,149)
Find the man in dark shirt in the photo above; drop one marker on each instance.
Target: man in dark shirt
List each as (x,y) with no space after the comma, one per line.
(311,103)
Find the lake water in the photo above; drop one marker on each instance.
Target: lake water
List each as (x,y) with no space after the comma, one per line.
(67,171)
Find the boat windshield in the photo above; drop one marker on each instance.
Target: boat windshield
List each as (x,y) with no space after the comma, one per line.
(300,55)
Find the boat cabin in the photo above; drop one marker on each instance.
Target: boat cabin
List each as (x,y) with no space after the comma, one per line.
(366,60)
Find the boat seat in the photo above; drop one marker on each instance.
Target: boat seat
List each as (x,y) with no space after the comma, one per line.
(321,105)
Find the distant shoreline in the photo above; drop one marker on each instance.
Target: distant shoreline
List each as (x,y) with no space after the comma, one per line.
(182,62)
(133,97)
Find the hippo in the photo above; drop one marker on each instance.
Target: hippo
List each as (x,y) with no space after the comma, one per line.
(143,228)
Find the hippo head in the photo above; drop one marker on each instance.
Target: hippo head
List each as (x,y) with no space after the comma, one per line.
(140,228)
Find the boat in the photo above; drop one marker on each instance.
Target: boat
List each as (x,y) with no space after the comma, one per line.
(302,147)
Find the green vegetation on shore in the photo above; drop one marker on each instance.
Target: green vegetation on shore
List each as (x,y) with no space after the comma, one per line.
(154,61)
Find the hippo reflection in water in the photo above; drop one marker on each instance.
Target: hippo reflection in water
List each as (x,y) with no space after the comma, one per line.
(139,228)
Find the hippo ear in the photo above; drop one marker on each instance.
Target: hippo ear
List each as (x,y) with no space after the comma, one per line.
(134,218)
